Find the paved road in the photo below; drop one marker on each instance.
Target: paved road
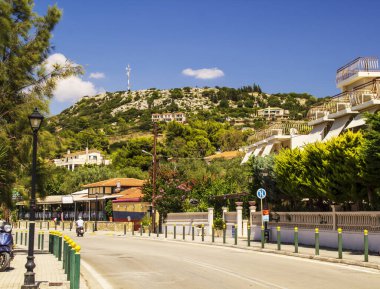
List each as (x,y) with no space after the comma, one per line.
(129,263)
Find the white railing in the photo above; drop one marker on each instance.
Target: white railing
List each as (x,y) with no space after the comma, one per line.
(190,217)
(355,66)
(348,221)
(230,217)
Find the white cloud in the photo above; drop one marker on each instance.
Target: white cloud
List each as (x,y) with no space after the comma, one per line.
(56,58)
(97,75)
(204,73)
(73,88)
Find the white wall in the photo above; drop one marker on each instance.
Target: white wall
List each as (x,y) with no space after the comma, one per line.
(351,240)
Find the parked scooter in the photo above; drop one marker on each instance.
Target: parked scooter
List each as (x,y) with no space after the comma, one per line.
(6,245)
(80,231)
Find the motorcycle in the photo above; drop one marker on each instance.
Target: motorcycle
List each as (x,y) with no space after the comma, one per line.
(6,245)
(80,231)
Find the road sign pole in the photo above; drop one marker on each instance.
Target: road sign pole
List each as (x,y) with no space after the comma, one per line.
(262,217)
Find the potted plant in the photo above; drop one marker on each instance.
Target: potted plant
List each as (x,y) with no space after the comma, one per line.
(218,226)
(108,209)
(146,222)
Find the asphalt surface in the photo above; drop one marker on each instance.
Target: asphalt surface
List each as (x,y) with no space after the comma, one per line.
(133,262)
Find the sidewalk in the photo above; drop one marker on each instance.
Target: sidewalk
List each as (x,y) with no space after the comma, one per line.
(48,271)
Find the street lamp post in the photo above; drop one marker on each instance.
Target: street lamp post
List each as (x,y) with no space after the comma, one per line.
(35,120)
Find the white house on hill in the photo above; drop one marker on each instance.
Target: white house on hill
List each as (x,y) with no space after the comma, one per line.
(81,158)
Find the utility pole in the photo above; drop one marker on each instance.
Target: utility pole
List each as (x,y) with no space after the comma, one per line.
(154,176)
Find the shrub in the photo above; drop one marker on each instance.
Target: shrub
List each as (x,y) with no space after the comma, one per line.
(218,223)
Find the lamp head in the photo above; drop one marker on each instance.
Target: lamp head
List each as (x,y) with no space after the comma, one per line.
(35,120)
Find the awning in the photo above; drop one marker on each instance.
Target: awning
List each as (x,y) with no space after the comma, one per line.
(267,149)
(246,157)
(359,120)
(87,199)
(337,127)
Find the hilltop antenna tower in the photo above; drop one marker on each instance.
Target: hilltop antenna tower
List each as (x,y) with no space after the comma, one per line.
(128,69)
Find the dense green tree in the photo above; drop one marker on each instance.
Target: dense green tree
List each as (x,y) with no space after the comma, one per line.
(371,159)
(25,82)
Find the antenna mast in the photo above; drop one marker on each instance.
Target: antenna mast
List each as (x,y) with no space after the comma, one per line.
(128,68)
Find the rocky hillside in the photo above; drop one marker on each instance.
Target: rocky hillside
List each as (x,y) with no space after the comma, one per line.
(124,112)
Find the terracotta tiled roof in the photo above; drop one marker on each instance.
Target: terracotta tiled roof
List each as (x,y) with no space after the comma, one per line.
(225,155)
(124,182)
(131,193)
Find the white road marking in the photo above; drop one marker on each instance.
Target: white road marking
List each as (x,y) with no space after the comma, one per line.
(103,282)
(229,272)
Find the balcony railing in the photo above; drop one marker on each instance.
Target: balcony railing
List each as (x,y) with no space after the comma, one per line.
(280,128)
(360,94)
(317,112)
(365,64)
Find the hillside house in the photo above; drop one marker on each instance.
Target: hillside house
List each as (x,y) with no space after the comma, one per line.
(168,116)
(81,158)
(273,113)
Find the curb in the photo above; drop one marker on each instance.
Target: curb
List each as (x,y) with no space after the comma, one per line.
(286,253)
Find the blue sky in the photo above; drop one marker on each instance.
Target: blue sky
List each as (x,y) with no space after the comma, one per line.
(283,46)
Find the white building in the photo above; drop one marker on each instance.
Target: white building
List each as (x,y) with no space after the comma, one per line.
(273,113)
(81,158)
(168,116)
(359,81)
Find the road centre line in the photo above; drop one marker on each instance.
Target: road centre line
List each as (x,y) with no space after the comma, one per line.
(231,273)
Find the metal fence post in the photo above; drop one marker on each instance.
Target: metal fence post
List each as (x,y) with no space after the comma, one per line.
(192,232)
(125,229)
(224,233)
(295,240)
(249,235)
(64,251)
(183,232)
(316,241)
(26,238)
(213,234)
(203,232)
(262,237)
(166,231)
(278,238)
(39,240)
(340,243)
(77,268)
(175,231)
(72,266)
(42,240)
(59,246)
(365,245)
(16,237)
(236,234)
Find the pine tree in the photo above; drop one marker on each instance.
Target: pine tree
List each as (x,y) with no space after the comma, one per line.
(25,83)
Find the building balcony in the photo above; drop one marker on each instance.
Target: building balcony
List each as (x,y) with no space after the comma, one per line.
(362,67)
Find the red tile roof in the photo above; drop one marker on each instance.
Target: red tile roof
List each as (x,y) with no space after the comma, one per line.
(124,182)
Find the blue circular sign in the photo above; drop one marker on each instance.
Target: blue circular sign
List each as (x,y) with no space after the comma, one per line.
(261,193)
